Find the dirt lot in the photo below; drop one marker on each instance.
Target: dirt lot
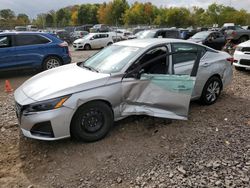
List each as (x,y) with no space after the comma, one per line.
(211,149)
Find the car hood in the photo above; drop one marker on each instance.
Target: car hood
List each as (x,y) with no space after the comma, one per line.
(79,40)
(61,81)
(245,44)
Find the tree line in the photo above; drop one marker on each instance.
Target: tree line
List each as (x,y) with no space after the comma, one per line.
(119,12)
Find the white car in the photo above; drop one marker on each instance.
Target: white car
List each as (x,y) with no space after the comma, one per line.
(124,34)
(242,56)
(93,41)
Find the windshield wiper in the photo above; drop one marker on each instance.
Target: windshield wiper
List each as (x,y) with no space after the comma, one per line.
(90,68)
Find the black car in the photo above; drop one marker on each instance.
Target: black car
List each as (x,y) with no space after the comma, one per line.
(212,39)
(160,33)
(64,35)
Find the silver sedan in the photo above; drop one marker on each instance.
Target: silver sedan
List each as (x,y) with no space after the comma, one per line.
(154,77)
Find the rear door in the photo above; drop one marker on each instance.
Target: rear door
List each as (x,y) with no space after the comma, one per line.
(152,88)
(7,52)
(30,49)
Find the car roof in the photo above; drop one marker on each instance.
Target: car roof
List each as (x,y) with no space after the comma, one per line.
(22,32)
(144,43)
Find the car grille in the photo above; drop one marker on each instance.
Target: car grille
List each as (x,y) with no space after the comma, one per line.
(245,49)
(245,62)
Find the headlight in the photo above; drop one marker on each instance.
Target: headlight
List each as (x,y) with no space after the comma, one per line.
(46,105)
(238,48)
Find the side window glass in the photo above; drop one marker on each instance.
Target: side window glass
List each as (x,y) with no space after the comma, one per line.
(185,57)
(154,61)
(24,40)
(5,41)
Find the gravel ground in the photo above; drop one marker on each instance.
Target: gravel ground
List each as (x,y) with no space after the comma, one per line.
(211,149)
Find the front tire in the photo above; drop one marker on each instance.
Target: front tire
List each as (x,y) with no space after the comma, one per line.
(87,47)
(92,122)
(51,62)
(211,91)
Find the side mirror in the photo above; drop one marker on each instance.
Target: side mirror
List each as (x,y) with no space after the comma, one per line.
(135,74)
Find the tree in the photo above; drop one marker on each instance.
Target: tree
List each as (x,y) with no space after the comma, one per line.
(49,20)
(63,17)
(22,19)
(141,13)
(87,14)
(113,12)
(7,14)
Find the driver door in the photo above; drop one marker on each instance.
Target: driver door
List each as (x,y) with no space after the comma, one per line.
(153,89)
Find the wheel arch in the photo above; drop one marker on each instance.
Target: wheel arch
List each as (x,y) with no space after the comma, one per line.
(94,100)
(52,55)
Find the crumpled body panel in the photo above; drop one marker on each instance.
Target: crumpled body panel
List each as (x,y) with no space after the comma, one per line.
(165,96)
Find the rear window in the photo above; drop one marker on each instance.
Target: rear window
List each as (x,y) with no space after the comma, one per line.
(23,40)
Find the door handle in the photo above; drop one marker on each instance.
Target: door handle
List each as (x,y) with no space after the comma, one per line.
(205,65)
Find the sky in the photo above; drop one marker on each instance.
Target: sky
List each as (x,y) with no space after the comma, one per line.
(34,7)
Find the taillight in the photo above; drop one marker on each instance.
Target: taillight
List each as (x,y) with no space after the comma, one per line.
(63,44)
(231,60)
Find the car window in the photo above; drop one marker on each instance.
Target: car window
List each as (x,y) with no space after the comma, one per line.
(96,36)
(112,59)
(186,56)
(23,40)
(154,61)
(5,41)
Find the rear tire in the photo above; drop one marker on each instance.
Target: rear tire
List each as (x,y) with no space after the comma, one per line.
(92,122)
(51,62)
(211,91)
(110,43)
(87,47)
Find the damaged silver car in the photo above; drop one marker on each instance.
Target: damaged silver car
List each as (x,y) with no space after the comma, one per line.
(155,77)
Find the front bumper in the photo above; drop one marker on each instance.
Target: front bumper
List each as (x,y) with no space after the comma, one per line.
(78,46)
(243,60)
(59,120)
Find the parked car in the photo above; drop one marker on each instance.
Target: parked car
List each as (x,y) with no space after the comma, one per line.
(64,35)
(78,34)
(155,77)
(242,56)
(21,28)
(99,28)
(93,41)
(123,33)
(160,33)
(32,28)
(85,27)
(236,33)
(19,50)
(213,39)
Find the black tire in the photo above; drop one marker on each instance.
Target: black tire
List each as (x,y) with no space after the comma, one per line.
(239,68)
(110,43)
(211,91)
(87,47)
(51,62)
(92,122)
(243,39)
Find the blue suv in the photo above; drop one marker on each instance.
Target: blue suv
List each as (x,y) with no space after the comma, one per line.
(20,50)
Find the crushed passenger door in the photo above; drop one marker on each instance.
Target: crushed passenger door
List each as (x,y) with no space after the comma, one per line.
(159,95)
